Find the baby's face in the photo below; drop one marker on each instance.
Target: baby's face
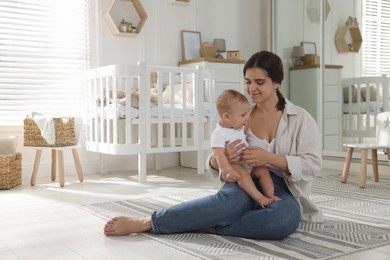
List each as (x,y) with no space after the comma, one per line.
(237,117)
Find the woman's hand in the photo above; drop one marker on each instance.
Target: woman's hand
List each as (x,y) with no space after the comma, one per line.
(255,156)
(233,151)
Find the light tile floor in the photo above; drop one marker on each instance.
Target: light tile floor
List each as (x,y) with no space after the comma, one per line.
(46,221)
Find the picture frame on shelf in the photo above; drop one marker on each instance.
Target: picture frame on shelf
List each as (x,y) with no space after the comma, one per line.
(309,48)
(190,44)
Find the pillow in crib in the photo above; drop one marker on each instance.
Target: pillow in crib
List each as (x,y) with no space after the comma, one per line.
(372,89)
(346,93)
(8,145)
(178,94)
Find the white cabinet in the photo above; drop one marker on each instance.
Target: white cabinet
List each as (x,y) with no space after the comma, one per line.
(228,74)
(305,89)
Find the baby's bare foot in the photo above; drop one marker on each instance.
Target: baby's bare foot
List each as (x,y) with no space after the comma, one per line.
(121,226)
(275,198)
(263,201)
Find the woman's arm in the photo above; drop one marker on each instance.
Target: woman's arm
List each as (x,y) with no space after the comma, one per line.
(255,156)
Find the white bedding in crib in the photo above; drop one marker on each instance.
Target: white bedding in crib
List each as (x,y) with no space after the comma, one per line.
(119,111)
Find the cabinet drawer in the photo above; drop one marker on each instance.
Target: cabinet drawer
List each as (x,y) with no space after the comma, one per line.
(331,93)
(331,126)
(331,110)
(331,76)
(331,142)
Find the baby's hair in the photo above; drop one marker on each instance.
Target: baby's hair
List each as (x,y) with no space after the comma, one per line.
(227,99)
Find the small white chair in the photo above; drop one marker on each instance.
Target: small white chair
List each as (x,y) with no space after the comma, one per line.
(60,149)
(382,142)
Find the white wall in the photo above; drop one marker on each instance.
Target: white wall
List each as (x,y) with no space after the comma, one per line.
(242,23)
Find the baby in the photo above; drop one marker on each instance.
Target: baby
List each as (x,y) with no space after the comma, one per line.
(232,107)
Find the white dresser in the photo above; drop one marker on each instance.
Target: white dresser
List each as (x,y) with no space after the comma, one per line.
(305,92)
(228,74)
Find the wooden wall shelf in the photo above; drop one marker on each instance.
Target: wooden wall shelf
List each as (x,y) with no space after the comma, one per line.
(113,22)
(238,61)
(179,2)
(356,39)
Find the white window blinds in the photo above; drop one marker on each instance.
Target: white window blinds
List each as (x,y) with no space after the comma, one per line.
(376,37)
(44,50)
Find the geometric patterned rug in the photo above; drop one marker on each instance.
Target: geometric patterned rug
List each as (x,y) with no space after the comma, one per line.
(355,220)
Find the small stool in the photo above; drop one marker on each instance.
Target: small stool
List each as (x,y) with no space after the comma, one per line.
(60,151)
(363,161)
(382,142)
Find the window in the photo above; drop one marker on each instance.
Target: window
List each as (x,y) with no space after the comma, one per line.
(44,51)
(376,37)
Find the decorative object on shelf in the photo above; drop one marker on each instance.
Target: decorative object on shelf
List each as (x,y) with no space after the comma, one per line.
(349,31)
(129,27)
(112,22)
(233,55)
(123,26)
(190,44)
(351,21)
(221,47)
(310,51)
(297,53)
(313,10)
(309,47)
(311,59)
(179,2)
(208,50)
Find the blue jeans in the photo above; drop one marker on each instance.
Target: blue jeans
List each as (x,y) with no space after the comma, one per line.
(231,212)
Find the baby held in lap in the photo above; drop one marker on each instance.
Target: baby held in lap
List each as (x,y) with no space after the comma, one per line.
(232,107)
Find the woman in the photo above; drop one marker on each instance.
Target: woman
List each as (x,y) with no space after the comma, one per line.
(281,136)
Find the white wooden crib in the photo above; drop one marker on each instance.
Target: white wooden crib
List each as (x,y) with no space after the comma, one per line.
(363,99)
(178,115)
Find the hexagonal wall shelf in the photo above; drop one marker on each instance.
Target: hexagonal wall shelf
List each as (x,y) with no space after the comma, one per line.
(348,39)
(129,10)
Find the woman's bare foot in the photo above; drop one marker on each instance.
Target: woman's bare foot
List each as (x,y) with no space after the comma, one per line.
(121,226)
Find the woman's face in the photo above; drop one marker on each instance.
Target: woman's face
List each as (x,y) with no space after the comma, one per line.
(258,85)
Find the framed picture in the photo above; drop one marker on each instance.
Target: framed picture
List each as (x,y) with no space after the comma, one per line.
(190,45)
(309,47)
